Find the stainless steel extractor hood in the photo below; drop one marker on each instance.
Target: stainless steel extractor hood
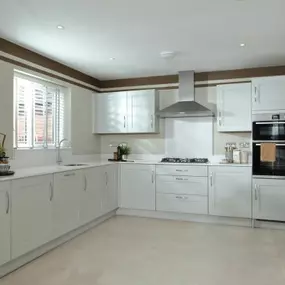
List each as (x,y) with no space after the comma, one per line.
(186,105)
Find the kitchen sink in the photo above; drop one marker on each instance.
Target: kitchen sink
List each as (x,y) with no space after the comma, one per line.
(76,164)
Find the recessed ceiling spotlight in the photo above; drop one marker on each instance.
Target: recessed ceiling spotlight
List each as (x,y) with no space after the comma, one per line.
(242,45)
(60,27)
(112,58)
(168,54)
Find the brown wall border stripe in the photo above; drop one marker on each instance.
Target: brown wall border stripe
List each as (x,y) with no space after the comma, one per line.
(23,53)
(44,72)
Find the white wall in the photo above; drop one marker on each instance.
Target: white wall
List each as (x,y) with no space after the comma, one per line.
(155,143)
(6,104)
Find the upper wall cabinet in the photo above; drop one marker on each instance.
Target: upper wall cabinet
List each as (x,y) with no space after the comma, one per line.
(234,107)
(268,94)
(126,112)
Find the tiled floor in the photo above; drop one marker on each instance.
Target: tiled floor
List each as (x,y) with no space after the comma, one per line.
(138,251)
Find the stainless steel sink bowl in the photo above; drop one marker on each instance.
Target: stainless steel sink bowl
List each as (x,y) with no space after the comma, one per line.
(76,164)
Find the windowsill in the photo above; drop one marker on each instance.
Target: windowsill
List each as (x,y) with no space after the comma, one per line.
(42,149)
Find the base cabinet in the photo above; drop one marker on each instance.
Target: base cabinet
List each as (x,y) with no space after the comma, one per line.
(109,174)
(91,194)
(31,213)
(137,189)
(5,216)
(269,199)
(230,191)
(68,187)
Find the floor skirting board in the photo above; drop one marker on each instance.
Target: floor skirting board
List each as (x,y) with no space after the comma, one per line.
(19,262)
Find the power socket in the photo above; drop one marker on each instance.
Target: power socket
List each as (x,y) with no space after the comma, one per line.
(244,145)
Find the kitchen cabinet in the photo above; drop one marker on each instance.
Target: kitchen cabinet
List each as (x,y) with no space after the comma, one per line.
(111,112)
(109,175)
(234,107)
(142,106)
(230,191)
(91,194)
(137,189)
(126,112)
(268,199)
(268,94)
(5,217)
(68,187)
(31,214)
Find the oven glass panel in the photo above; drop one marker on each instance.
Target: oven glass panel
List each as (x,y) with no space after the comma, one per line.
(276,168)
(268,131)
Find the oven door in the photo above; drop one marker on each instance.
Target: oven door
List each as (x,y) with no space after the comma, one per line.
(268,130)
(274,169)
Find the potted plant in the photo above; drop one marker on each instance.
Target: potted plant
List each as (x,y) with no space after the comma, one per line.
(125,151)
(2,151)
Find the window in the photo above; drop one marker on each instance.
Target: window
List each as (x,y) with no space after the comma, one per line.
(40,112)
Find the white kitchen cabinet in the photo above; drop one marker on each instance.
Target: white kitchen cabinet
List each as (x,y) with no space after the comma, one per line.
(111,112)
(68,187)
(31,214)
(268,94)
(91,194)
(109,174)
(5,216)
(142,106)
(234,107)
(230,191)
(268,199)
(137,189)
(126,112)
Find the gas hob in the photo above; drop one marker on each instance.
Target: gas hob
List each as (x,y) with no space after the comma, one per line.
(184,160)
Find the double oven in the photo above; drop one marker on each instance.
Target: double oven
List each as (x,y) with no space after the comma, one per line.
(268,128)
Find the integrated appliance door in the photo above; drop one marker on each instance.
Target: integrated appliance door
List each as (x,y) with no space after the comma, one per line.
(273,169)
(268,127)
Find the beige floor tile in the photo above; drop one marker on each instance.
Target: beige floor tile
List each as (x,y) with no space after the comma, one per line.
(138,251)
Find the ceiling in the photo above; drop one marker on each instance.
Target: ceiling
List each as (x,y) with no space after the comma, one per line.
(205,34)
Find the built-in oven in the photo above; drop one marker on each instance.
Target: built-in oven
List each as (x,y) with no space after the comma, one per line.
(268,128)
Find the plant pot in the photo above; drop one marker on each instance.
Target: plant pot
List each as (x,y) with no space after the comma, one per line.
(124,157)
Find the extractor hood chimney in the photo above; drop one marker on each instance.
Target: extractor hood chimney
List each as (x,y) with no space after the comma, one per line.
(186,105)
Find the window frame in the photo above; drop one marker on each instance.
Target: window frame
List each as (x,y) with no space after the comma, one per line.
(61,91)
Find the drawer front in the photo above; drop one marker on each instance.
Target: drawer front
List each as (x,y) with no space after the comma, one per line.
(198,170)
(188,185)
(191,204)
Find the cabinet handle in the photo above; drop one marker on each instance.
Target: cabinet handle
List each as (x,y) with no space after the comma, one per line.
(255,192)
(51,191)
(106,176)
(181,170)
(151,121)
(8,202)
(179,197)
(69,174)
(124,121)
(256,95)
(152,177)
(85,183)
(211,179)
(179,178)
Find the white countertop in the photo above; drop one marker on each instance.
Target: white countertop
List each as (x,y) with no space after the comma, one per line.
(51,169)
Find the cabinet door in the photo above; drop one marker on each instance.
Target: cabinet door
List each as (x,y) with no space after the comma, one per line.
(111,112)
(31,214)
(137,189)
(230,191)
(268,94)
(66,202)
(5,215)
(269,199)
(91,195)
(234,107)
(110,191)
(142,105)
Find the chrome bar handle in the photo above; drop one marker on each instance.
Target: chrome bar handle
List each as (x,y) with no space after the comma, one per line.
(8,202)
(69,174)
(106,176)
(211,179)
(255,192)
(124,121)
(85,183)
(152,177)
(151,121)
(51,191)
